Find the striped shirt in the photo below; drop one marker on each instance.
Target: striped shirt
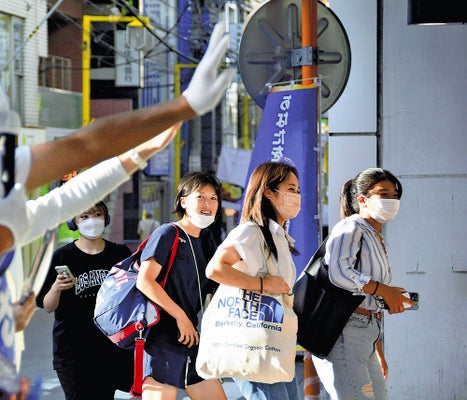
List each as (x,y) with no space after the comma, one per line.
(341,253)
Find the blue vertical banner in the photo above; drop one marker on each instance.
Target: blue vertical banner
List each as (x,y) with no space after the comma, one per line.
(288,129)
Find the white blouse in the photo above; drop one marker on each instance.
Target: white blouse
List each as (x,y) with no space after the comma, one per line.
(248,240)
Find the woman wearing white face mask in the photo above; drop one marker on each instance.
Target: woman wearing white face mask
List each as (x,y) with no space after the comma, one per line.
(356,367)
(272,198)
(88,365)
(171,348)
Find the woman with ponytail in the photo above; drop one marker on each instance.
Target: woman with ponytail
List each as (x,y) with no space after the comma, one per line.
(356,367)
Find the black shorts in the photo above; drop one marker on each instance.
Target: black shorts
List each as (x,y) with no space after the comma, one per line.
(170,368)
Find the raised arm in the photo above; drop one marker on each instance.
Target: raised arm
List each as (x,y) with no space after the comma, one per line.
(112,135)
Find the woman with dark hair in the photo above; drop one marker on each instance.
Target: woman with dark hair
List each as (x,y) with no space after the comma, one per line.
(88,365)
(272,198)
(172,346)
(356,367)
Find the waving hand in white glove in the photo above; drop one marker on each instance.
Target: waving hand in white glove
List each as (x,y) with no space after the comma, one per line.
(13,213)
(207,86)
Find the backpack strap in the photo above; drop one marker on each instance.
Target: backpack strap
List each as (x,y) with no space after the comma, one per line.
(137,388)
(173,253)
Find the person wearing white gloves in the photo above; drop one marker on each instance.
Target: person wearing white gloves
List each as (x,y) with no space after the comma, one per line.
(112,135)
(23,221)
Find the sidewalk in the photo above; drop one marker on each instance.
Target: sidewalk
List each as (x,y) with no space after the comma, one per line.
(37,361)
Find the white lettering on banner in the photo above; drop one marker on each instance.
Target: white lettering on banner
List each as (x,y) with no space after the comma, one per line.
(278,141)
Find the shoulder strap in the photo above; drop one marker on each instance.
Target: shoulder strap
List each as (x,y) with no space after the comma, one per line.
(317,256)
(357,260)
(142,245)
(173,253)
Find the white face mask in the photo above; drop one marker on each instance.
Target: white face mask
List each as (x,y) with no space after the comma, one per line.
(383,210)
(92,228)
(291,205)
(201,221)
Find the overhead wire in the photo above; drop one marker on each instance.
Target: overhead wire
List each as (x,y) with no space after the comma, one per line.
(19,49)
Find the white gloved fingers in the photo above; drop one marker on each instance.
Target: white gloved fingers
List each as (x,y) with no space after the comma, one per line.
(213,59)
(217,46)
(13,212)
(208,86)
(217,34)
(222,83)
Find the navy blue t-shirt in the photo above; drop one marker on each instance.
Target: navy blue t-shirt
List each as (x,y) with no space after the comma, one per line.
(182,283)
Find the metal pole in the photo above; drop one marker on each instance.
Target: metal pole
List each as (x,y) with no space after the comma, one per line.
(310,39)
(309,36)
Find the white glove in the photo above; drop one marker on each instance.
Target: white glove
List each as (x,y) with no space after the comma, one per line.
(13,213)
(207,87)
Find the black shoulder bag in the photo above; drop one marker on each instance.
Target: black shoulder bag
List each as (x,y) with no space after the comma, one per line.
(322,308)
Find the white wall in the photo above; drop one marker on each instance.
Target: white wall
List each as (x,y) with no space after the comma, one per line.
(424,141)
(355,111)
(352,119)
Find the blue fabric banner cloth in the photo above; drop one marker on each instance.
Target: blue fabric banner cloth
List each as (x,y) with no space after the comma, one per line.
(288,130)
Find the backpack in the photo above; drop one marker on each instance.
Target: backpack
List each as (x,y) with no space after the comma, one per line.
(122,312)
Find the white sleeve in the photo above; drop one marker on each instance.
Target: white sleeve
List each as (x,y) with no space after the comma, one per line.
(22,163)
(246,241)
(74,197)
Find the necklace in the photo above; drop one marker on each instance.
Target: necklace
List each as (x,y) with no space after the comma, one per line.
(196,266)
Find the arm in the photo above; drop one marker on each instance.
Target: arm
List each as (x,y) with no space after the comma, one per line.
(112,135)
(88,188)
(106,137)
(28,220)
(392,295)
(52,298)
(24,312)
(147,284)
(221,269)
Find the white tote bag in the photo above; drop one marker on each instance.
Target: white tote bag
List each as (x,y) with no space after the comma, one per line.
(248,335)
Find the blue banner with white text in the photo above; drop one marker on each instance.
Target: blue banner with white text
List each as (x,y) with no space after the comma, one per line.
(288,130)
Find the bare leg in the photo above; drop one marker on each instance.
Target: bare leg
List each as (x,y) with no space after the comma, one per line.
(153,390)
(210,389)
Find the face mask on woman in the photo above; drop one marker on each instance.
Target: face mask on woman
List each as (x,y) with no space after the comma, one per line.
(202,221)
(383,210)
(290,206)
(92,228)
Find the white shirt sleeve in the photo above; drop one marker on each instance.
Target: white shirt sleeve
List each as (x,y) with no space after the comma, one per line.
(74,197)
(246,241)
(22,163)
